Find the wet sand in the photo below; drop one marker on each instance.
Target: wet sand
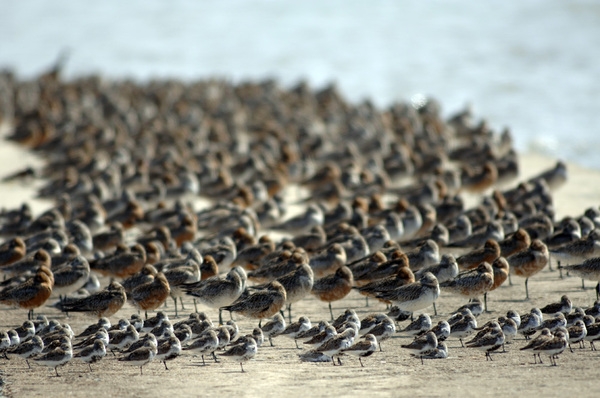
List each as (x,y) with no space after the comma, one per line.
(276,371)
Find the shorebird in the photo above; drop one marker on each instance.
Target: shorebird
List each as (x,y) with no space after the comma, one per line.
(383,330)
(57,357)
(338,343)
(472,283)
(362,349)
(71,276)
(146,275)
(402,277)
(41,258)
(168,349)
(418,326)
(445,270)
(312,217)
(121,339)
(579,250)
(439,352)
(565,306)
(218,292)
(180,276)
(297,285)
(28,349)
(31,294)
(428,254)
(334,287)
(577,333)
(529,262)
(588,269)
(12,251)
(554,177)
(488,253)
(260,304)
(92,353)
(101,304)
(328,260)
(205,344)
(530,322)
(121,264)
(416,295)
(514,243)
(553,347)
(313,331)
(242,353)
(490,341)
(544,336)
(141,356)
(463,327)
(274,327)
(422,344)
(293,330)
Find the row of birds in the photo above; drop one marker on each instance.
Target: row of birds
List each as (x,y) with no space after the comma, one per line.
(380,194)
(139,341)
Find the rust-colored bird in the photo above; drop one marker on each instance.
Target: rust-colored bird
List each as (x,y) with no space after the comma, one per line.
(151,295)
(121,264)
(31,294)
(334,287)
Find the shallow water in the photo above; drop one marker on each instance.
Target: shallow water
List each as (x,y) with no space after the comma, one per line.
(529,65)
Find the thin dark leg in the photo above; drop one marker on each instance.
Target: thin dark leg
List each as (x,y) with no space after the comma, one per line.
(181,301)
(146,314)
(165,362)
(220,317)
(461,343)
(56,370)
(485,302)
(422,363)
(195,306)
(141,372)
(331,310)
(582,284)
(214,356)
(296,341)
(559,269)
(526,289)
(366,302)
(271,342)
(361,364)
(290,312)
(203,362)
(90,366)
(175,302)
(28,365)
(242,366)
(434,309)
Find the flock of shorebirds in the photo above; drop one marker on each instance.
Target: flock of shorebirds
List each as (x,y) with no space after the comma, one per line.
(249,198)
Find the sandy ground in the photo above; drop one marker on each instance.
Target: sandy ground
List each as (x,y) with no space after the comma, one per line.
(277,370)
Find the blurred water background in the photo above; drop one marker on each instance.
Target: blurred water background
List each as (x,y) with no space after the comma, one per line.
(531,65)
